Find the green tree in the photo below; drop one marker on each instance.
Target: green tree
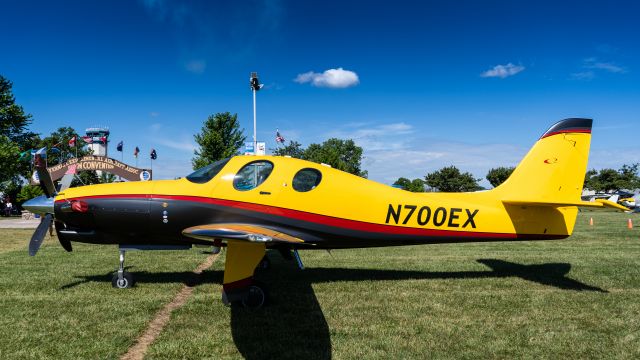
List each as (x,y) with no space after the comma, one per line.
(294,149)
(9,163)
(14,136)
(450,179)
(343,155)
(28,192)
(629,177)
(609,180)
(13,120)
(590,180)
(221,137)
(415,185)
(498,175)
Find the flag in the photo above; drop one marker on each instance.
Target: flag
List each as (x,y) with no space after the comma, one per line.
(42,152)
(136,151)
(119,146)
(154,155)
(72,141)
(26,155)
(87,139)
(279,138)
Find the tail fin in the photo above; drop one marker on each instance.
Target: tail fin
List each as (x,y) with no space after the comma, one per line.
(554,169)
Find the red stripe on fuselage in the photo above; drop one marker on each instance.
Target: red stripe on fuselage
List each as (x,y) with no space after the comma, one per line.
(324,219)
(581,131)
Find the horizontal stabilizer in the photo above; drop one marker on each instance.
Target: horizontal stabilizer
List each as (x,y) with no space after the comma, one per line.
(246,232)
(598,203)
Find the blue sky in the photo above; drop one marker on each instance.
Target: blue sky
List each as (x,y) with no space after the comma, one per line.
(418,84)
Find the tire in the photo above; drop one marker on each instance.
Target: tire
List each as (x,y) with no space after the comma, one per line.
(127,281)
(255,298)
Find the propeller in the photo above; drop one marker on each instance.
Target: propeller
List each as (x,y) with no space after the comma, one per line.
(43,175)
(43,205)
(38,236)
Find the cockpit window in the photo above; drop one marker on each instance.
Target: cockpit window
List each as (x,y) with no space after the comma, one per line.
(252,175)
(208,172)
(306,180)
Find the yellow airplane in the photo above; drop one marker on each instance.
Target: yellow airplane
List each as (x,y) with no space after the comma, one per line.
(251,203)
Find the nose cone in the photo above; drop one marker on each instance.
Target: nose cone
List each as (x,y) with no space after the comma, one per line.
(39,205)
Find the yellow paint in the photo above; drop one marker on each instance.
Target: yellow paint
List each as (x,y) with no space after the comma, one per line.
(242,259)
(529,202)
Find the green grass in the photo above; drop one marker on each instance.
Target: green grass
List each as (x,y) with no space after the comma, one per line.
(575,298)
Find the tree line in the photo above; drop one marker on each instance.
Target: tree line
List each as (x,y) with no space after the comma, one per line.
(450,179)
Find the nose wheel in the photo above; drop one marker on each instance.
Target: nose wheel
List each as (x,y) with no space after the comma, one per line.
(122,279)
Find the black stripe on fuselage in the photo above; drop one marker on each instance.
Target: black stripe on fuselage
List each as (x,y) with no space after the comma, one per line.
(162,220)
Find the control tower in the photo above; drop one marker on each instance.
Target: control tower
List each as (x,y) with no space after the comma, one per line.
(99,140)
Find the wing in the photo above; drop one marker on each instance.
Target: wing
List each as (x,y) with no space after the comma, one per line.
(246,232)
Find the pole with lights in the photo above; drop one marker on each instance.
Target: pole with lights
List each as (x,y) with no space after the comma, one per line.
(255,86)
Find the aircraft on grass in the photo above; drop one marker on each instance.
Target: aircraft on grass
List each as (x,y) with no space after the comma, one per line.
(252,203)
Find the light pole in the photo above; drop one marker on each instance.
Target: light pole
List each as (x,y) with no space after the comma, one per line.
(255,86)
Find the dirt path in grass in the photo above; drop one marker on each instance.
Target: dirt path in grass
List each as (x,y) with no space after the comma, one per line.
(139,349)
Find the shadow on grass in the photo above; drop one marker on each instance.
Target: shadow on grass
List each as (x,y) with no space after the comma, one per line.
(293,324)
(551,274)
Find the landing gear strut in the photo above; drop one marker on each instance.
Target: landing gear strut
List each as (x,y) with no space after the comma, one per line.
(123,279)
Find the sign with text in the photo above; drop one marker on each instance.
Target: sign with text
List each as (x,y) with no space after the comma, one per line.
(101,163)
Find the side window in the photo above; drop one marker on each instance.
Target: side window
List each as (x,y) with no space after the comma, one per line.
(252,175)
(306,180)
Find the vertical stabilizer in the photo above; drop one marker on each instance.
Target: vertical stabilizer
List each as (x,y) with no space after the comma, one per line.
(554,169)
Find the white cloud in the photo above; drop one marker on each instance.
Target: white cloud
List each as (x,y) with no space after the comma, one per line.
(397,149)
(593,63)
(503,71)
(376,137)
(184,145)
(196,66)
(583,75)
(166,137)
(332,78)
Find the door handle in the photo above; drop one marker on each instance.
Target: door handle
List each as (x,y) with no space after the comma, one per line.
(265,193)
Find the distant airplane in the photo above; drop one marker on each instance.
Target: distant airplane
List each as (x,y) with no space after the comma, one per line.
(621,197)
(251,203)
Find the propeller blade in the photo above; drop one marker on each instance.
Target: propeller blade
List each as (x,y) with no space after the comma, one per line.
(65,183)
(39,234)
(45,178)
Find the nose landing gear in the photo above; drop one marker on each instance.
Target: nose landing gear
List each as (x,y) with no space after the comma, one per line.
(123,279)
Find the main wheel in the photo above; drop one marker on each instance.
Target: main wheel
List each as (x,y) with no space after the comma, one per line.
(126,282)
(255,297)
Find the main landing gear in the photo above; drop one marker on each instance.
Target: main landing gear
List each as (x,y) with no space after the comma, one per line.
(253,296)
(122,279)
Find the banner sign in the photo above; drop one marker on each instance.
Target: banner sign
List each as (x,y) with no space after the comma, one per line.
(101,163)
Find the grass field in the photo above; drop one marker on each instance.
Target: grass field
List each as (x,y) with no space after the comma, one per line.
(576,298)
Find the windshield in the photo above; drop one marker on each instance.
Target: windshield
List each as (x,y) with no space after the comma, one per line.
(208,172)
